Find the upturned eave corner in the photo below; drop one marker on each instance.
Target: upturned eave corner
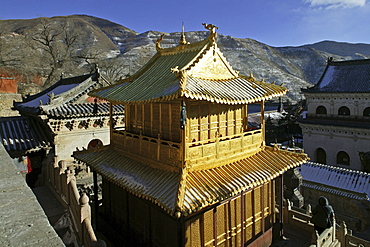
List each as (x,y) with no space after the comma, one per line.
(180,197)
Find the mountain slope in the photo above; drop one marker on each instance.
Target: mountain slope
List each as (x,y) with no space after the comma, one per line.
(125,50)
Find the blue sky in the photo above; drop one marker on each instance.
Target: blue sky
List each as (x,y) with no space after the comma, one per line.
(274,22)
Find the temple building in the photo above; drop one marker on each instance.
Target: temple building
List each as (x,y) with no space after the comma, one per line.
(56,121)
(186,170)
(336,130)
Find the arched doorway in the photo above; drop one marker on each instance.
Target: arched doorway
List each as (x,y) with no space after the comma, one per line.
(320,156)
(344,110)
(343,158)
(321,110)
(96,143)
(367,112)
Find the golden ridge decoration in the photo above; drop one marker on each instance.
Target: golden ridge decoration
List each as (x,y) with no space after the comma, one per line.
(181,74)
(175,70)
(158,43)
(212,28)
(183,39)
(181,192)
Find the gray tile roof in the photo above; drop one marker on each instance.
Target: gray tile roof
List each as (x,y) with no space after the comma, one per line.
(63,98)
(84,109)
(22,134)
(351,76)
(336,180)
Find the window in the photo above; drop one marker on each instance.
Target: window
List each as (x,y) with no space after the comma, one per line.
(344,111)
(320,156)
(367,112)
(343,158)
(321,110)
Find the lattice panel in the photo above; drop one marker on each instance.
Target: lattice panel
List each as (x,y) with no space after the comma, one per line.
(132,118)
(175,122)
(155,120)
(208,228)
(166,121)
(147,120)
(257,200)
(195,233)
(213,125)
(248,204)
(221,224)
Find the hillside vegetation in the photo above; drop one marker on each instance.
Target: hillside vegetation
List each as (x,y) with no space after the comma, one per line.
(71,45)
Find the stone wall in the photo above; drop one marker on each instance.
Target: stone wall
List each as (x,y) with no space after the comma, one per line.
(67,141)
(6,103)
(334,139)
(355,212)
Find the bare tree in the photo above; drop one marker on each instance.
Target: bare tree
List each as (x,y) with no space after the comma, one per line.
(90,55)
(114,69)
(56,40)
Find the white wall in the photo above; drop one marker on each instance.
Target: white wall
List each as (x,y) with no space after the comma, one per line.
(335,139)
(332,102)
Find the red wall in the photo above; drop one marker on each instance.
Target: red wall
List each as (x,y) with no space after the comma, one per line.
(8,83)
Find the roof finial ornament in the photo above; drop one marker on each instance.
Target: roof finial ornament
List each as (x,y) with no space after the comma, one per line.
(183,39)
(212,28)
(158,43)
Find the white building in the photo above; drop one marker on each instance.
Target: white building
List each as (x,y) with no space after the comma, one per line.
(337,126)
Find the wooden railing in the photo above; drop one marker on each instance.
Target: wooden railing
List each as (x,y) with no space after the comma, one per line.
(196,153)
(63,183)
(155,149)
(333,236)
(223,148)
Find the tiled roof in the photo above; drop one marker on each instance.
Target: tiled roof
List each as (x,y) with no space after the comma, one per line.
(351,76)
(83,110)
(59,97)
(233,91)
(182,71)
(201,188)
(23,134)
(345,182)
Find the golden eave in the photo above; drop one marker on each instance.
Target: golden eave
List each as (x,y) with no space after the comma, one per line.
(187,192)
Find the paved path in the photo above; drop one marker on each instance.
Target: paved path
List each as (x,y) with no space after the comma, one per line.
(22,220)
(294,238)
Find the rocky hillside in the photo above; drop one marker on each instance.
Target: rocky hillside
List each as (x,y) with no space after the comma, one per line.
(121,51)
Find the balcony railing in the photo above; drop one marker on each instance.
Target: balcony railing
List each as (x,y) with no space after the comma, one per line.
(195,153)
(223,149)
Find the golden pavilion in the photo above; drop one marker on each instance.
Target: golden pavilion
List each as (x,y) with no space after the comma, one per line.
(186,170)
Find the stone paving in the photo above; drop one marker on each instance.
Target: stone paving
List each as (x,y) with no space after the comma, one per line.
(294,238)
(22,220)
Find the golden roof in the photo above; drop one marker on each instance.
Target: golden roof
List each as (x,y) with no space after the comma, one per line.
(195,71)
(190,191)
